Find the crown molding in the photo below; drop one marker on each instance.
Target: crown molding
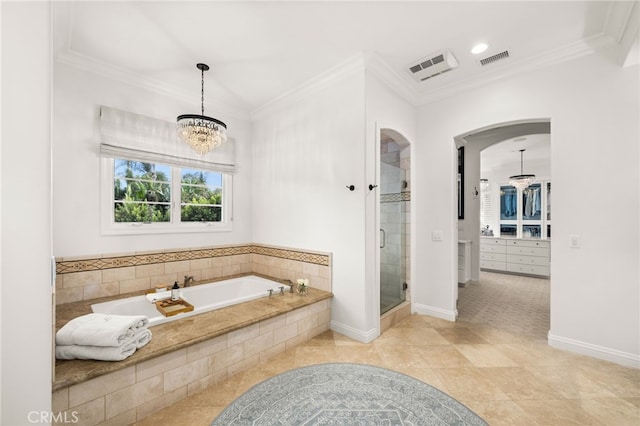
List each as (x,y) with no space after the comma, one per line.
(325,79)
(377,67)
(619,19)
(111,72)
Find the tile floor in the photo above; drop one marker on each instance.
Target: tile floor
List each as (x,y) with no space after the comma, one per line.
(507,378)
(513,303)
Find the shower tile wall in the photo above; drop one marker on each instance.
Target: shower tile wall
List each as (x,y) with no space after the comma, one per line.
(394,219)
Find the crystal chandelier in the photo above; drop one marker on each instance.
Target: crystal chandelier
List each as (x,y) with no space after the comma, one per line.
(202,133)
(521,181)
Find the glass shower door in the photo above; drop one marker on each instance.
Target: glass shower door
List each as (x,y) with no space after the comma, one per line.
(394,205)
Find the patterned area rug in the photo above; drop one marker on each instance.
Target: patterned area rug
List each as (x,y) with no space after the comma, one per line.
(345,394)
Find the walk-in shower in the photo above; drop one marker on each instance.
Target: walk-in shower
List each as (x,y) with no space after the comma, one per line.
(395,201)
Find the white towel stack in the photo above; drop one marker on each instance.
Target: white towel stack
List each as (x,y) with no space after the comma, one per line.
(102,337)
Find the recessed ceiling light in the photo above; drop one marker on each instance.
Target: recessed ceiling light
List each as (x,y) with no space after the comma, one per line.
(479,48)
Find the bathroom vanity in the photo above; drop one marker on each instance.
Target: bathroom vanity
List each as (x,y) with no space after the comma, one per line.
(516,255)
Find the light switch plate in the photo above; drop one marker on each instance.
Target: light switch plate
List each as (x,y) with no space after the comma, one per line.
(574,241)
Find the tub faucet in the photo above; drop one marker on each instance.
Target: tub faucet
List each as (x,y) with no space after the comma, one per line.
(290,284)
(187,280)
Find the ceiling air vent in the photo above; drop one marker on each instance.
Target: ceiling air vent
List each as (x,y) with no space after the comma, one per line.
(493,58)
(432,65)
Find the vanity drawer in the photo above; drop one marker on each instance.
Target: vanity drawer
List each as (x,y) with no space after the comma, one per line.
(492,241)
(527,260)
(493,257)
(486,248)
(528,243)
(528,250)
(528,269)
(496,266)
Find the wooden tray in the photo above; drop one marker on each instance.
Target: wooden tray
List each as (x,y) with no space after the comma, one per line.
(173,307)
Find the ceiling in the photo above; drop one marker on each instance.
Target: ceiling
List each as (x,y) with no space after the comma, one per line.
(260,50)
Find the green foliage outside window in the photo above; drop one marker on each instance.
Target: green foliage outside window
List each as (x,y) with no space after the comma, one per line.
(142,193)
(200,201)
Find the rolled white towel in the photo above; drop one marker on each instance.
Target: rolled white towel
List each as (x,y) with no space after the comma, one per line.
(101,353)
(101,330)
(142,338)
(161,295)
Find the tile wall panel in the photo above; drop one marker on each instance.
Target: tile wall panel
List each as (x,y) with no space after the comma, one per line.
(86,278)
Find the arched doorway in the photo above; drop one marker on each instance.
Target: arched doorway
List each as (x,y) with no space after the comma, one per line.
(509,289)
(394,212)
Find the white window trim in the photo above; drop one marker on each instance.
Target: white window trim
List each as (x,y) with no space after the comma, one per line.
(110,227)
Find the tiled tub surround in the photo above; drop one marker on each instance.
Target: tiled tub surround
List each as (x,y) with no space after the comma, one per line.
(185,357)
(91,277)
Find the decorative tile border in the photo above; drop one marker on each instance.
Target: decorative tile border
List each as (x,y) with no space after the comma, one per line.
(395,197)
(100,263)
(302,256)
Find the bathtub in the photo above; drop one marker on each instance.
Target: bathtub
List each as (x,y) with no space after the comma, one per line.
(203,297)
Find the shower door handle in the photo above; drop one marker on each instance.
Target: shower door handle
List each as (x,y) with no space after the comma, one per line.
(383,240)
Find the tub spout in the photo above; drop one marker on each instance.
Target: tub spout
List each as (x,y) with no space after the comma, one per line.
(188,279)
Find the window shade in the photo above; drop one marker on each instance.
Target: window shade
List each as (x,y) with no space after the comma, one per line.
(137,137)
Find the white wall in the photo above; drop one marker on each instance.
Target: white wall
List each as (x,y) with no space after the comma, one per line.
(593,106)
(25,217)
(306,149)
(77,97)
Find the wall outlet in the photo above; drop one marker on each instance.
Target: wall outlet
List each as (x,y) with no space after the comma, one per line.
(436,236)
(574,241)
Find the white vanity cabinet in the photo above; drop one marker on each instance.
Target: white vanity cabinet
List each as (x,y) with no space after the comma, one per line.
(493,254)
(464,261)
(519,256)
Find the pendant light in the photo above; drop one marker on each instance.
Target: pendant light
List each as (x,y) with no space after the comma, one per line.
(202,133)
(521,181)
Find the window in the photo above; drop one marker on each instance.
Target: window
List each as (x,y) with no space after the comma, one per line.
(143,197)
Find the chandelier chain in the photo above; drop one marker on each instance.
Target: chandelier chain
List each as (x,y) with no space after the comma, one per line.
(202,92)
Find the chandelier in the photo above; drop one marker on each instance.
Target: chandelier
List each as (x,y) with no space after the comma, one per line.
(521,181)
(202,133)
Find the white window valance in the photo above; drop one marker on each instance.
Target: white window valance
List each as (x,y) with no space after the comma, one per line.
(133,136)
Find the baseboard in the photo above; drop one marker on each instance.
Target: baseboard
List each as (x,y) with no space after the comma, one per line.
(595,351)
(434,312)
(360,336)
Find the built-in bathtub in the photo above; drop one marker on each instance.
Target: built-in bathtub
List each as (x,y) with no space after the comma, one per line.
(203,297)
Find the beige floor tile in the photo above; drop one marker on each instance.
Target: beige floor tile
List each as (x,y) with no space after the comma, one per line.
(557,412)
(411,336)
(494,336)
(519,384)
(485,355)
(529,353)
(460,335)
(612,410)
(634,401)
(571,383)
(622,382)
(500,413)
(404,357)
(444,357)
(468,384)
